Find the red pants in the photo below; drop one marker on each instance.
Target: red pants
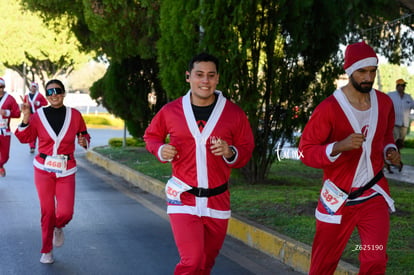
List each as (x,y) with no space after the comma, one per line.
(4,149)
(55,212)
(372,220)
(199,240)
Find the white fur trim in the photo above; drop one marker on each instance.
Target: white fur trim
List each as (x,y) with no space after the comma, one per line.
(366,62)
(198,211)
(336,219)
(235,156)
(160,155)
(387,198)
(328,152)
(66,173)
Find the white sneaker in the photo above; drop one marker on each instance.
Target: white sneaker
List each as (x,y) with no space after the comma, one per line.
(47,258)
(58,237)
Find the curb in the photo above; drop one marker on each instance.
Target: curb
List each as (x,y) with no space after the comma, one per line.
(285,249)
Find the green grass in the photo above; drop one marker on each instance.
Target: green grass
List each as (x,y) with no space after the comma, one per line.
(139,159)
(288,202)
(407,156)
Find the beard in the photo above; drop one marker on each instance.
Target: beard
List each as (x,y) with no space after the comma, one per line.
(358,86)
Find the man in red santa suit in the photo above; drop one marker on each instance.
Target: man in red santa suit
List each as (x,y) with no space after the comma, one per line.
(208,135)
(8,109)
(348,136)
(36,101)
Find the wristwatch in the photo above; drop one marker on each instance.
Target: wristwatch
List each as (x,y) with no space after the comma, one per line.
(233,150)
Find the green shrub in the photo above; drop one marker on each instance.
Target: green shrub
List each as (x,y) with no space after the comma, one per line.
(105,120)
(131,142)
(97,120)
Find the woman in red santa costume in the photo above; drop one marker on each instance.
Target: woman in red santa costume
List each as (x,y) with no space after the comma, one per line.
(8,109)
(56,127)
(348,136)
(36,101)
(208,135)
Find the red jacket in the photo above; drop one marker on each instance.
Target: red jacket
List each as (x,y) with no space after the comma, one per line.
(9,104)
(333,121)
(36,102)
(49,143)
(195,164)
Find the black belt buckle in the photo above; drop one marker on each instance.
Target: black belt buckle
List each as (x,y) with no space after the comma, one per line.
(202,192)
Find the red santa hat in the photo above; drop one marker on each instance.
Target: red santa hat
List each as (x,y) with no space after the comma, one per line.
(359,55)
(2,82)
(34,84)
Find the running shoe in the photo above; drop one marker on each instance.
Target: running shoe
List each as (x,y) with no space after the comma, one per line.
(58,237)
(47,258)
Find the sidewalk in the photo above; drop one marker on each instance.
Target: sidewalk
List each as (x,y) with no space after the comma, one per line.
(283,248)
(406,175)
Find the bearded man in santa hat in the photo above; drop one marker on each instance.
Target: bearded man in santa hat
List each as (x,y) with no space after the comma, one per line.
(349,135)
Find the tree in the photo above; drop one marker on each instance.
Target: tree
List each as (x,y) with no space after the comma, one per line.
(125,32)
(122,83)
(280,58)
(116,28)
(27,42)
(389,73)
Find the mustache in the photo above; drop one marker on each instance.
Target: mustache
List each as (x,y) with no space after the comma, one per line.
(366,83)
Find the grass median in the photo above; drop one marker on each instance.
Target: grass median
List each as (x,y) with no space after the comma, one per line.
(287,202)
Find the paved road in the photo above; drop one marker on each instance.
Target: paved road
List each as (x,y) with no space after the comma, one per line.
(116,229)
(406,175)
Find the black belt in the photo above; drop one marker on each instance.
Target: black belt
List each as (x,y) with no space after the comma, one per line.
(355,194)
(206,192)
(43,156)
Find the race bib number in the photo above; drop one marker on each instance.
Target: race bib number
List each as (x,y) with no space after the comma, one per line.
(3,123)
(56,164)
(173,190)
(332,197)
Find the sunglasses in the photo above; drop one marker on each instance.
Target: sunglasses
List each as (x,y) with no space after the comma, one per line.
(1,87)
(56,91)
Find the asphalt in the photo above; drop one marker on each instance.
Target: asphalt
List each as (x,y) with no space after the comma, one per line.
(285,249)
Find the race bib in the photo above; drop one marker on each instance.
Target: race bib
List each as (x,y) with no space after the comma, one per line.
(332,197)
(56,164)
(3,123)
(173,190)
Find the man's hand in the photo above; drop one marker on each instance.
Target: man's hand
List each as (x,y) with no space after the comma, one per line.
(352,142)
(82,141)
(221,148)
(168,152)
(3,113)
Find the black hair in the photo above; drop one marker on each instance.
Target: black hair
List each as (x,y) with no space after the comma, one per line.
(56,81)
(203,57)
